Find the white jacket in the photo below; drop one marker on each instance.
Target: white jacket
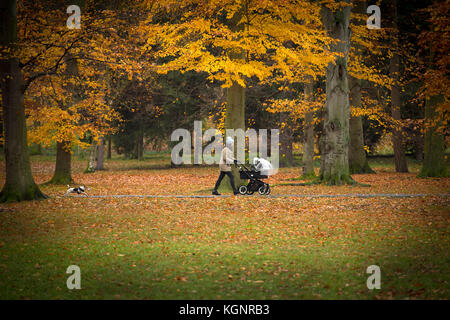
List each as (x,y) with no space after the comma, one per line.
(226,160)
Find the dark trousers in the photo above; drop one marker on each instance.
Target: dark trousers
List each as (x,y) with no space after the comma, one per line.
(219,180)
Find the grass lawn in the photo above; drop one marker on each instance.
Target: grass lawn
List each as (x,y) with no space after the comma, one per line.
(245,247)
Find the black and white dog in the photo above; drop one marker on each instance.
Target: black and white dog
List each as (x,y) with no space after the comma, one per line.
(78,190)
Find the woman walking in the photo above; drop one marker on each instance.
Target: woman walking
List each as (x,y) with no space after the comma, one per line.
(226,159)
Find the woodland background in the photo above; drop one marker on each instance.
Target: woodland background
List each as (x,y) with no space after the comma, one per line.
(363,120)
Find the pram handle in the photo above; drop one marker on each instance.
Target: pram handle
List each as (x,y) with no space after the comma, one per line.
(241,165)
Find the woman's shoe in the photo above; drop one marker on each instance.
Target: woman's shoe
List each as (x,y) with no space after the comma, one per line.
(215,193)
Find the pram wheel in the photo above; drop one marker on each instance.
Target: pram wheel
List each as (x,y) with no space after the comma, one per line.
(243,189)
(262,190)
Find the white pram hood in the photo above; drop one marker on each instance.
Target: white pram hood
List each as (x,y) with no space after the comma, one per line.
(263,166)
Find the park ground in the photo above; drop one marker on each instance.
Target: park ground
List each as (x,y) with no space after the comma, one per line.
(239,247)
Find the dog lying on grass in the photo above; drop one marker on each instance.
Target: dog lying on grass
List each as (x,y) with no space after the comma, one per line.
(78,190)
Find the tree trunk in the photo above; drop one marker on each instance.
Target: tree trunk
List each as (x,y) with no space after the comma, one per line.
(19,184)
(92,156)
(356,154)
(235,114)
(434,157)
(140,142)
(397,137)
(108,156)
(334,168)
(63,167)
(418,147)
(2,130)
(235,119)
(138,152)
(286,139)
(62,173)
(308,131)
(100,155)
(357,159)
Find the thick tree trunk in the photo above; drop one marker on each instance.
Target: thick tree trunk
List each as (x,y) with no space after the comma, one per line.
(334,168)
(62,173)
(235,119)
(100,155)
(308,131)
(19,184)
(434,157)
(356,154)
(235,115)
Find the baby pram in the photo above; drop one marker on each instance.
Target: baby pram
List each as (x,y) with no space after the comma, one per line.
(254,184)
